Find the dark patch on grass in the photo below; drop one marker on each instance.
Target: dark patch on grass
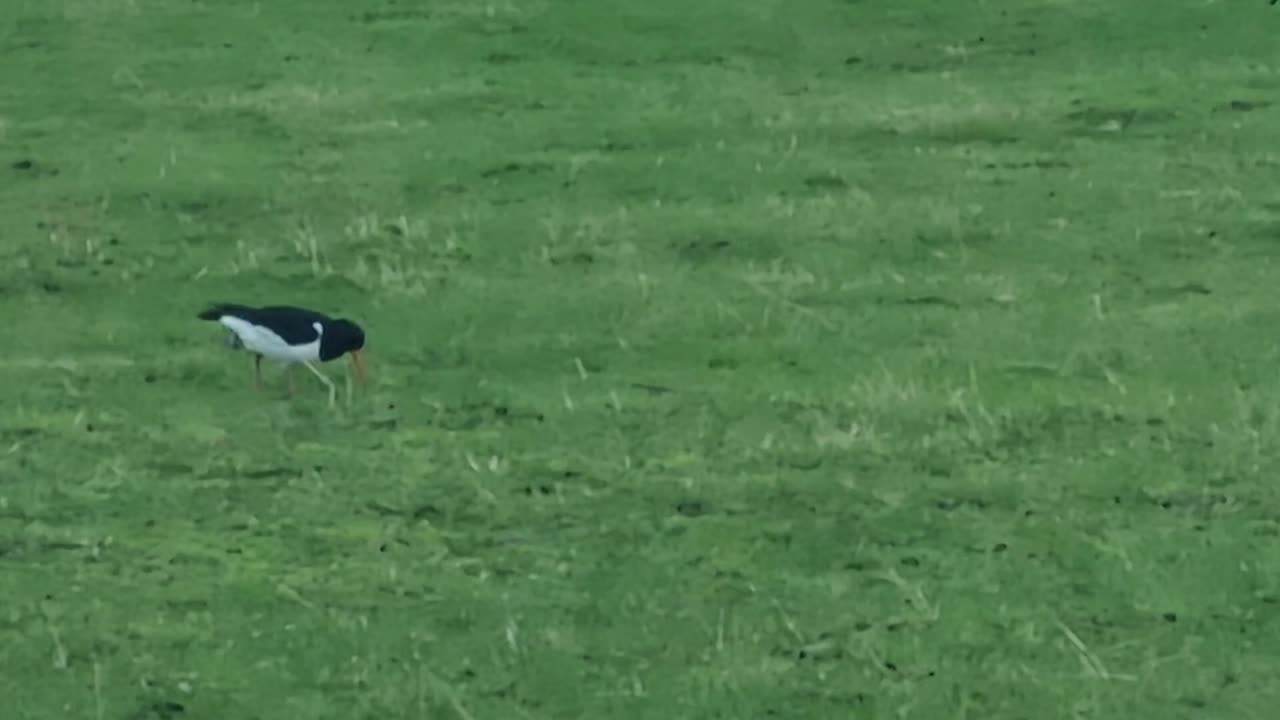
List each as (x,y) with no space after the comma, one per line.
(1193,501)
(19,433)
(700,251)
(974,133)
(914,68)
(580,258)
(1244,105)
(271,472)
(692,508)
(25,45)
(934,300)
(1190,288)
(682,58)
(1040,431)
(526,168)
(955,503)
(825,182)
(1037,164)
(475,415)
(192,207)
(391,16)
(162,710)
(653,389)
(384,510)
(824,649)
(58,545)
(1093,120)
(30,168)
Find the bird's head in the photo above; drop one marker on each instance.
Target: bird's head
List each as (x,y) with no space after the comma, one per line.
(348,337)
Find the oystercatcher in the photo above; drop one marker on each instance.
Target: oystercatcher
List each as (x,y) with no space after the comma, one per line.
(291,335)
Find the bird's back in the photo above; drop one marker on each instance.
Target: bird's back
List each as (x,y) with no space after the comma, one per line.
(294,325)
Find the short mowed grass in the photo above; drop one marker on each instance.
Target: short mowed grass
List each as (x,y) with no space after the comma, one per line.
(811,359)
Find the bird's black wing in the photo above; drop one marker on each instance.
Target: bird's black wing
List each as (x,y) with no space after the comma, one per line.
(294,325)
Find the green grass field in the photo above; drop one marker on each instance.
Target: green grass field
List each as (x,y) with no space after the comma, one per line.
(811,359)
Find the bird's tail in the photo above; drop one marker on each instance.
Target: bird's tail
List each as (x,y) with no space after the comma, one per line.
(217,310)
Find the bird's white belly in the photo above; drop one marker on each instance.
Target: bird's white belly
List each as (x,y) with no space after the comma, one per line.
(266,343)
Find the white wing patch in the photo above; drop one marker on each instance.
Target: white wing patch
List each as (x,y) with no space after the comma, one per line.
(268,344)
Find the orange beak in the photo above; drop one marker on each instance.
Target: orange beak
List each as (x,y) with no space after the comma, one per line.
(357,359)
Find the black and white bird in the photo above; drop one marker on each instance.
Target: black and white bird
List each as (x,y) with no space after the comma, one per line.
(292,335)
